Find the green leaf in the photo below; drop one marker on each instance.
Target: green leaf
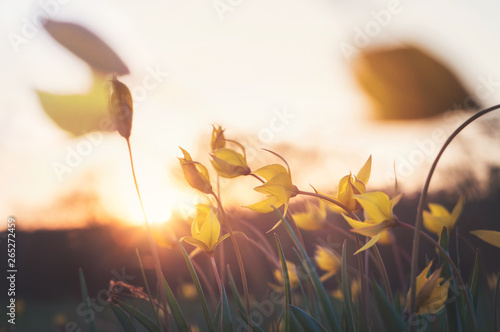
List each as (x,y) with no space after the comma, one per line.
(495,305)
(474,280)
(236,294)
(286,282)
(123,318)
(227,324)
(197,284)
(308,323)
(347,292)
(141,318)
(86,299)
(390,316)
(314,278)
(179,319)
(151,300)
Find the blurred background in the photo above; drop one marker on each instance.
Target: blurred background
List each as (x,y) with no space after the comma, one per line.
(323,83)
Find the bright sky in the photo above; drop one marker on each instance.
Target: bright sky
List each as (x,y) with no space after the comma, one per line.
(271,72)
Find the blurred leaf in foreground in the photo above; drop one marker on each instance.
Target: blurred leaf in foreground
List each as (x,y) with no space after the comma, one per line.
(407,83)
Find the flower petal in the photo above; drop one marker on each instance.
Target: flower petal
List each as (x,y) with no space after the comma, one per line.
(365,171)
(266,205)
(377,205)
(197,243)
(269,171)
(369,244)
(491,237)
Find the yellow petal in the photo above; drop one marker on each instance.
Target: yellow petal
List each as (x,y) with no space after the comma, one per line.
(364,173)
(218,141)
(377,205)
(229,163)
(432,223)
(491,237)
(439,211)
(457,210)
(369,244)
(313,219)
(269,171)
(327,259)
(197,243)
(373,229)
(266,205)
(210,230)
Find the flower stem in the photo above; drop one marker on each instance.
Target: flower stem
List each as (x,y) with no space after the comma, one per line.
(152,243)
(217,278)
(422,201)
(238,257)
(456,272)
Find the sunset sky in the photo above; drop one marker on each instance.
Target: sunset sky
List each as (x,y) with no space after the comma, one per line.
(272,72)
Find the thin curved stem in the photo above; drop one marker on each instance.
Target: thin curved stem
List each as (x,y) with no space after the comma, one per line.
(238,258)
(152,243)
(329,199)
(456,272)
(422,201)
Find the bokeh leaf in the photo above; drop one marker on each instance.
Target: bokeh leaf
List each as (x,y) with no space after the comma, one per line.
(407,83)
(87,46)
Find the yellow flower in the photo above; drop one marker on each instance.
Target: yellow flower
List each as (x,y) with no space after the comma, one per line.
(431,292)
(195,173)
(218,141)
(292,275)
(378,216)
(205,229)
(229,163)
(313,219)
(278,188)
(439,217)
(327,260)
(349,186)
(121,107)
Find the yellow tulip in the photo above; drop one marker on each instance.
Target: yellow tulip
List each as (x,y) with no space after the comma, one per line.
(218,141)
(278,188)
(121,107)
(313,218)
(378,216)
(327,260)
(205,229)
(431,292)
(229,163)
(292,276)
(349,186)
(439,217)
(195,173)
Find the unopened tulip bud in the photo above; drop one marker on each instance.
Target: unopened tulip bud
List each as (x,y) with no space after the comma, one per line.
(121,107)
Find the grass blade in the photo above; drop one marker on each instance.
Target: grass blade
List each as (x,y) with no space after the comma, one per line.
(197,284)
(313,276)
(390,316)
(86,299)
(123,318)
(495,305)
(474,280)
(151,300)
(347,293)
(227,324)
(180,321)
(308,323)
(286,282)
(139,316)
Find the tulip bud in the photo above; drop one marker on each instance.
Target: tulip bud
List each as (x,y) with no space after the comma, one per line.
(121,107)
(218,139)
(195,173)
(229,163)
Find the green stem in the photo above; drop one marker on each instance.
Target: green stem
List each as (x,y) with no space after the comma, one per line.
(217,278)
(421,204)
(152,243)
(238,258)
(453,267)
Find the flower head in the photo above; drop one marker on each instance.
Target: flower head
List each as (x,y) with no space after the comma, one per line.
(195,173)
(313,218)
(378,216)
(349,186)
(205,229)
(229,164)
(292,276)
(218,141)
(327,260)
(278,188)
(439,217)
(121,107)
(431,292)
